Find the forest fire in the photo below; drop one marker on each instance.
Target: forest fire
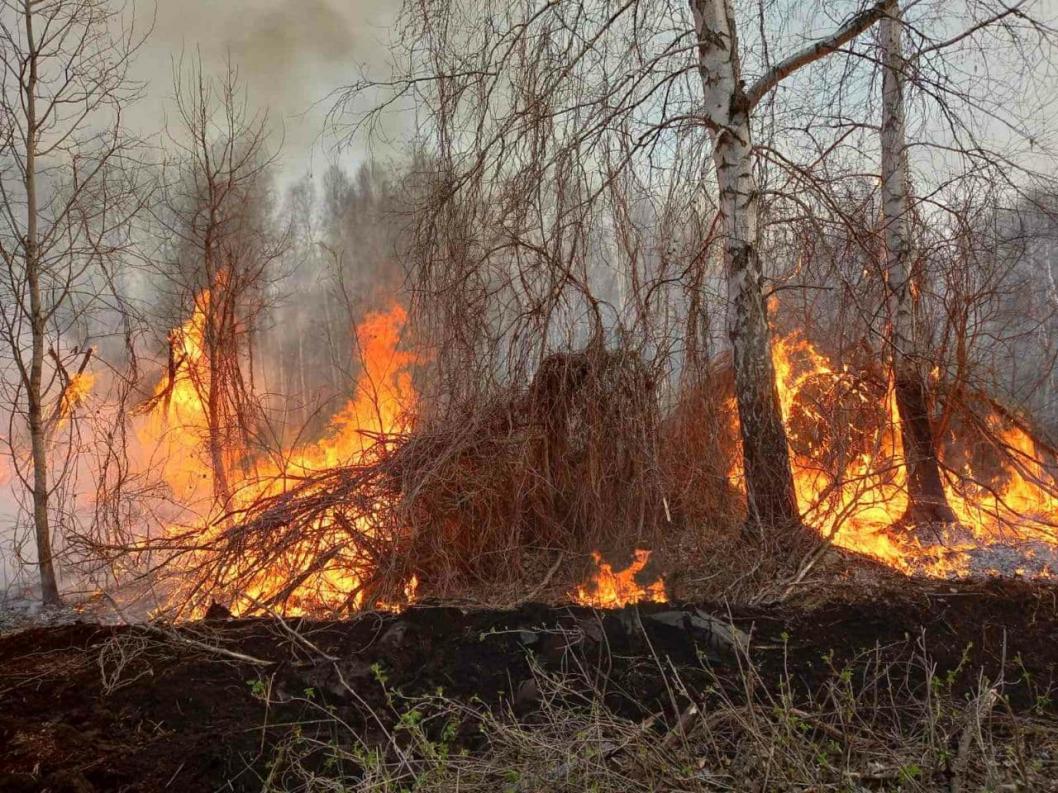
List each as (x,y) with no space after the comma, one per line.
(646,396)
(845,443)
(178,424)
(852,485)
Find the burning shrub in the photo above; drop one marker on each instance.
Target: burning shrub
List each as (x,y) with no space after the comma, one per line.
(484,497)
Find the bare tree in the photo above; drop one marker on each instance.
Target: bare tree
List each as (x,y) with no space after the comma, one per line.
(68,199)
(927,70)
(218,256)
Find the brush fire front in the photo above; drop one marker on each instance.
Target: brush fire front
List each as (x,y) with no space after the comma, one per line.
(370,514)
(332,511)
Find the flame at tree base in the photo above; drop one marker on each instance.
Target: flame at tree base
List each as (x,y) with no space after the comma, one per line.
(851,482)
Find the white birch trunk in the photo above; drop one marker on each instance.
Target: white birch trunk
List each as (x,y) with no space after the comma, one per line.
(771,499)
(727,112)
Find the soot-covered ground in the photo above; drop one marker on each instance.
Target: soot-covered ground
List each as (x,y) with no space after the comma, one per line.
(97,708)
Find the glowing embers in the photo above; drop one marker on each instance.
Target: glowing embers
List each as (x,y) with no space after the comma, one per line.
(612,589)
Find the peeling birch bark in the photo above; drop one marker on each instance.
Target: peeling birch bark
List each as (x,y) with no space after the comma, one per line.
(771,499)
(727,113)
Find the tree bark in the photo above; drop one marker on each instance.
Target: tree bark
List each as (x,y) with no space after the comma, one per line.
(927,502)
(771,499)
(34,397)
(217,437)
(727,113)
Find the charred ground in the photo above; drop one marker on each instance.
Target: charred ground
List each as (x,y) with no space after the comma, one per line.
(89,707)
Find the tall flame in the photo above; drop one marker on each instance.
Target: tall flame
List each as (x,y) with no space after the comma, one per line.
(177,424)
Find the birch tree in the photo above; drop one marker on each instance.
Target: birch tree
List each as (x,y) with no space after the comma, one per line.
(927,502)
(728,107)
(68,198)
(984,28)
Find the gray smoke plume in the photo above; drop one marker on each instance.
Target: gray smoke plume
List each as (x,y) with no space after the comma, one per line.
(291,55)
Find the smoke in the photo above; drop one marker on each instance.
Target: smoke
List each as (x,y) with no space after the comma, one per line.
(291,56)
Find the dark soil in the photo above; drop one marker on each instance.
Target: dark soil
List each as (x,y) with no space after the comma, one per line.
(178,717)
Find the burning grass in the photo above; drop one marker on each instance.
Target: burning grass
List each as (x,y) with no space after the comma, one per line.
(852,484)
(294,531)
(537,476)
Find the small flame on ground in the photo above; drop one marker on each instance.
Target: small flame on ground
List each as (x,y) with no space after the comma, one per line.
(613,589)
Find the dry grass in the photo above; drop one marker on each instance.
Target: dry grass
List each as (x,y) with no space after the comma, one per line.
(875,725)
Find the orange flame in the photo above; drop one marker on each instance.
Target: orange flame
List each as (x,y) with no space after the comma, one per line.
(857,506)
(610,589)
(76,392)
(177,425)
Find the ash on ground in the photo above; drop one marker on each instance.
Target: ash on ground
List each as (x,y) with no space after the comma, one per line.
(955,548)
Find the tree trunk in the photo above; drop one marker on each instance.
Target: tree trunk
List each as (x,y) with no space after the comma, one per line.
(38,441)
(771,499)
(213,342)
(770,494)
(217,435)
(927,502)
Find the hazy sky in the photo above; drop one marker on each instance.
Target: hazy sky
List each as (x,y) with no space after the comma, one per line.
(291,54)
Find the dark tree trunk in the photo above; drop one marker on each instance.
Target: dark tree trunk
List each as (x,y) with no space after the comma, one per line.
(926,500)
